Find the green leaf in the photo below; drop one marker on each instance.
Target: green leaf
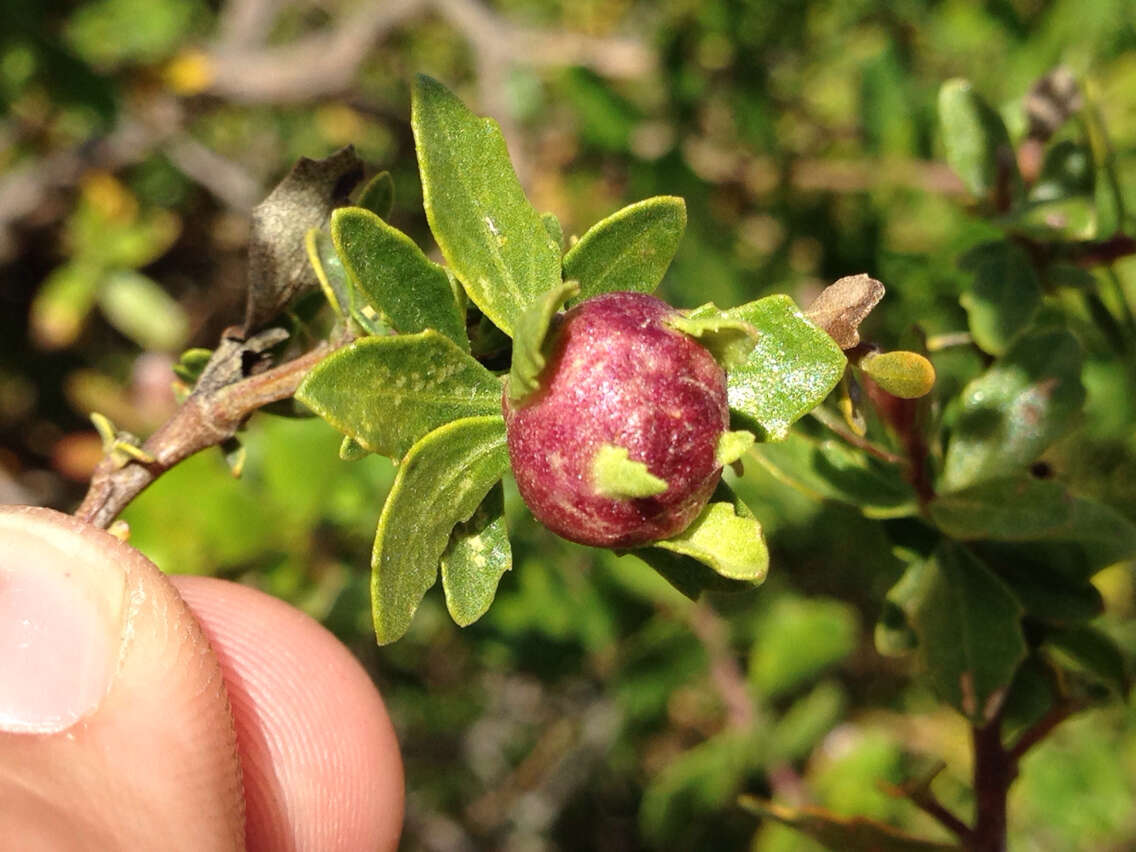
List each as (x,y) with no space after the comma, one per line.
(969,628)
(790,371)
(1047,593)
(619,477)
(191,363)
(727,541)
(378,195)
(796,639)
(138,307)
(1013,412)
(907,375)
(847,834)
(730,340)
(977,144)
(1005,297)
(630,249)
(440,484)
(1022,508)
(530,338)
(475,559)
(894,636)
(490,235)
(1093,653)
(830,470)
(692,576)
(329,271)
(388,392)
(399,281)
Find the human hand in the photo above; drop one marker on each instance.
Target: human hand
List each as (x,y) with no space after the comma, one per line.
(144,712)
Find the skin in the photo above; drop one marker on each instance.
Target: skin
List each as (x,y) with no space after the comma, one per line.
(138,712)
(616,374)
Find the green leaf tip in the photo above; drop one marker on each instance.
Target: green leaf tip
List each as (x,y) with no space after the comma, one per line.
(378,195)
(907,375)
(729,338)
(529,340)
(617,476)
(732,446)
(727,540)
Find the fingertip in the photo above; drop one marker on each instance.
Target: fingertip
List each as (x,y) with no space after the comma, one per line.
(320,758)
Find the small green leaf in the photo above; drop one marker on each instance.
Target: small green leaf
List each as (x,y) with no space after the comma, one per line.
(351,450)
(630,249)
(830,470)
(907,375)
(191,363)
(977,144)
(1022,508)
(530,338)
(399,281)
(490,235)
(619,477)
(329,271)
(969,628)
(1094,653)
(1026,400)
(790,371)
(388,392)
(848,834)
(730,340)
(1005,298)
(440,484)
(552,225)
(732,446)
(475,559)
(378,195)
(730,543)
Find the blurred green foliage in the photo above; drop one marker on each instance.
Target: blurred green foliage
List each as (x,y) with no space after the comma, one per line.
(594,707)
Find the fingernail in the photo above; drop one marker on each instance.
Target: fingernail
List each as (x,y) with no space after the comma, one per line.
(61,611)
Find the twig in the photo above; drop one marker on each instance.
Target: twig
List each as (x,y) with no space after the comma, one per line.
(833,424)
(921,796)
(1057,714)
(725,672)
(208,418)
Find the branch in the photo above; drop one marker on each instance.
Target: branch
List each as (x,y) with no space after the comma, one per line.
(1057,714)
(725,672)
(212,415)
(919,794)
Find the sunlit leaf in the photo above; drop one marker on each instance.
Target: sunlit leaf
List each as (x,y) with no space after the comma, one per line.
(406,287)
(388,392)
(790,370)
(490,235)
(440,483)
(1013,412)
(474,560)
(629,250)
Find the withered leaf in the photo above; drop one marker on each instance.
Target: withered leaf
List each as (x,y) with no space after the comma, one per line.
(842,306)
(278,267)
